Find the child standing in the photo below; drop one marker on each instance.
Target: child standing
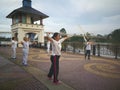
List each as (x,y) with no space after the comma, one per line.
(55,56)
(48,47)
(25,44)
(14,46)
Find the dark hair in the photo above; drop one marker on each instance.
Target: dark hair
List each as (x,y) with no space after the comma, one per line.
(88,39)
(55,35)
(13,38)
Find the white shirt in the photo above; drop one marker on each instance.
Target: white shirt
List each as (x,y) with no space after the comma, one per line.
(48,44)
(56,46)
(88,46)
(14,44)
(26,45)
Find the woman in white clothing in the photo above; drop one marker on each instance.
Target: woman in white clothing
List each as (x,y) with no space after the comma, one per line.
(25,44)
(55,56)
(13,46)
(48,46)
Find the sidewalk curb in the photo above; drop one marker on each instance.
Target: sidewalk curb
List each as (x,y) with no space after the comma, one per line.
(42,77)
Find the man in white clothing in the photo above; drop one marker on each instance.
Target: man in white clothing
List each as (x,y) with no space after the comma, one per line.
(13,46)
(88,49)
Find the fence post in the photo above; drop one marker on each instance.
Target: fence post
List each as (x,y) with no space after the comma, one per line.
(116,52)
(73,47)
(98,49)
(94,49)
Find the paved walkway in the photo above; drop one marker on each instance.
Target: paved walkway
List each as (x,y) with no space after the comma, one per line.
(13,77)
(75,72)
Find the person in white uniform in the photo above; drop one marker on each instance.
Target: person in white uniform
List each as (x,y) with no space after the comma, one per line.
(88,49)
(55,56)
(48,46)
(25,44)
(13,46)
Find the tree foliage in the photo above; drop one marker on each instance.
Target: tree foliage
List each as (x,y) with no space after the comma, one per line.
(115,36)
(63,31)
(77,39)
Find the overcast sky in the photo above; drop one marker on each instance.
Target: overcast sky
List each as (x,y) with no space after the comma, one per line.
(76,16)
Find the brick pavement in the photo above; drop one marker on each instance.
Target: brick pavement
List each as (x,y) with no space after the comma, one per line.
(13,77)
(75,72)
(24,77)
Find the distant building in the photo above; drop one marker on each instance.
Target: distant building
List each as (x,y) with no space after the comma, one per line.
(5,34)
(23,20)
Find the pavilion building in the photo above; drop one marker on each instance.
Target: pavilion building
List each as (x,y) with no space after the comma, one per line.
(23,23)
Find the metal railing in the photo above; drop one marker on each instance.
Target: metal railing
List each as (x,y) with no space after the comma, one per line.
(98,49)
(109,50)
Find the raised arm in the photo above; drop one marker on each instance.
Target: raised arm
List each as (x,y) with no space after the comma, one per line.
(68,36)
(50,39)
(84,38)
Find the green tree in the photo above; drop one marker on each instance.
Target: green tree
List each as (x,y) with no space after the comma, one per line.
(63,32)
(115,36)
(100,38)
(77,39)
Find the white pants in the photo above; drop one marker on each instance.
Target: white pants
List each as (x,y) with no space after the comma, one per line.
(25,56)
(48,48)
(13,53)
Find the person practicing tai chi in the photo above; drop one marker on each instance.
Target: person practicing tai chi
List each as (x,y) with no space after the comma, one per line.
(48,47)
(88,45)
(88,49)
(55,56)
(14,46)
(25,44)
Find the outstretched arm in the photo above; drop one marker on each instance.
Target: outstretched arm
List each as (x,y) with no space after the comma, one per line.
(84,38)
(50,39)
(68,36)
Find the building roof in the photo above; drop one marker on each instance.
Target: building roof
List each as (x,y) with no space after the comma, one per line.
(28,10)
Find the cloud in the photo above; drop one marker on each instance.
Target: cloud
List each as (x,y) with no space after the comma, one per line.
(95,16)
(112,19)
(95,5)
